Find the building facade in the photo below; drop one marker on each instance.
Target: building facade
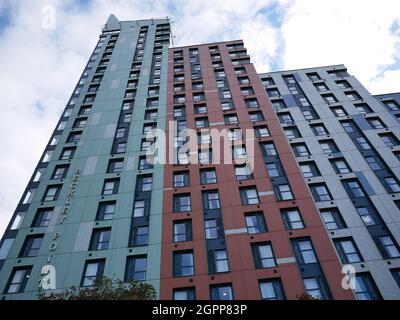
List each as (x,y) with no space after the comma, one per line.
(345,142)
(307,182)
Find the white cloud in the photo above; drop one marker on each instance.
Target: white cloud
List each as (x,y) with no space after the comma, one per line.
(40,67)
(357,34)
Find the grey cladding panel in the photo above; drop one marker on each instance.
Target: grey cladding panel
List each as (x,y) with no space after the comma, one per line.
(83,237)
(110,130)
(90,166)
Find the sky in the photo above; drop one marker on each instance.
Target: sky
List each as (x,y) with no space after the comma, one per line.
(44,46)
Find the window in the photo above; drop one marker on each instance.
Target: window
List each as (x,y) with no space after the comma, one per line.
(140,236)
(200,109)
(247,91)
(292,132)
(300,150)
(354,188)
(321,87)
(239,152)
(80,122)
(309,169)
(285,118)
(255,222)
(208,176)
(31,246)
(182,230)
(184,294)
(197,86)
(140,208)
(120,147)
(363,108)
(61,125)
(93,272)
(220,261)
(392,184)
(144,163)
(29,196)
(243,172)
(181,179)
(396,275)
(227,105)
(366,288)
(211,200)
(313,287)
(231,118)
(274,169)
(136,268)
(343,84)
(106,210)
(283,192)
(269,149)
(339,112)
(212,229)
(271,289)
(261,131)
(84,110)
(272,93)
(18,279)
(329,98)
(110,186)
(221,292)
(392,105)
(332,219)
(292,219)
(183,263)
(347,250)
(151,115)
(304,251)
(376,123)
(74,137)
(47,156)
(226,94)
(179,112)
(373,163)
(115,166)
(362,143)
(205,156)
(201,122)
(310,115)
(340,166)
(320,192)
(352,95)
(319,130)
(278,104)
(144,183)
(67,153)
(328,146)
(249,195)
(263,255)
(252,103)
(52,193)
(182,202)
(54,140)
(147,128)
(120,133)
(389,139)
(43,217)
(303,101)
(17,221)
(267,82)
(100,239)
(389,246)
(256,116)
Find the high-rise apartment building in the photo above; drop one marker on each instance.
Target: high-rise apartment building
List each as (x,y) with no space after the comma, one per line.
(262,204)
(345,142)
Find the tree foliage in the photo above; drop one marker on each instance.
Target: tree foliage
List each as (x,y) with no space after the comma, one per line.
(105,289)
